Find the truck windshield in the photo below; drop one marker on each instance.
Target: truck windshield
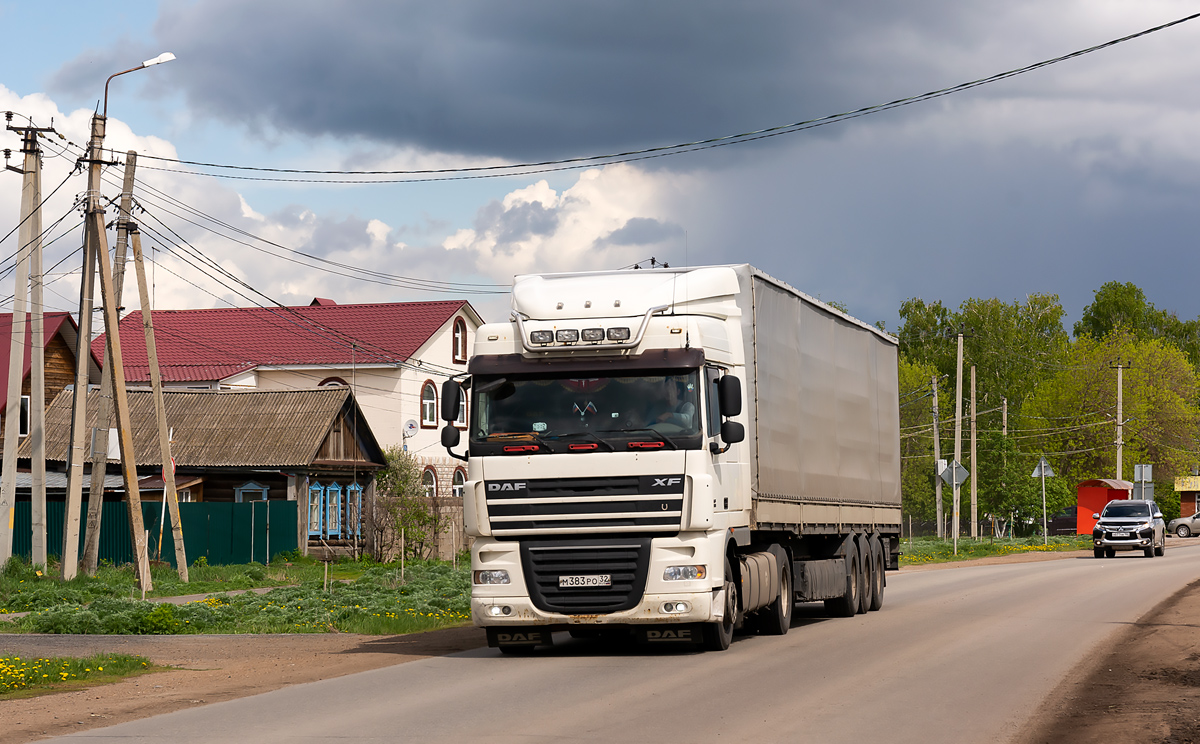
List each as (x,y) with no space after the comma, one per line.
(653,409)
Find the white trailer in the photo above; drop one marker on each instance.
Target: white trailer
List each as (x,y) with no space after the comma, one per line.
(677,454)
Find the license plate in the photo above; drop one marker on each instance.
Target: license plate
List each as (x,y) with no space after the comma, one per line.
(577,581)
(1120,534)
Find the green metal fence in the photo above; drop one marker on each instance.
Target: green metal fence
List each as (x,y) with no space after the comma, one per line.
(223,533)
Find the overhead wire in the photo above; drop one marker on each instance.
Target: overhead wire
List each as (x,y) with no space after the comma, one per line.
(491,171)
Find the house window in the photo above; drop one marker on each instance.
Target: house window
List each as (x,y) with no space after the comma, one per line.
(429,405)
(316,498)
(333,510)
(250,491)
(429,482)
(460,479)
(24,426)
(354,510)
(460,341)
(461,421)
(184,496)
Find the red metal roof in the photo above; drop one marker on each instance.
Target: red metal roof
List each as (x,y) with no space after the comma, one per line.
(196,345)
(53,323)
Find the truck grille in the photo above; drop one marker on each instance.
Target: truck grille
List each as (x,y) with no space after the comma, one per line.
(626,561)
(550,506)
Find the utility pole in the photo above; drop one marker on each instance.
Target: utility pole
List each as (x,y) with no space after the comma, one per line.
(27,238)
(1004,469)
(1120,414)
(91,538)
(974,465)
(97,242)
(937,455)
(958,395)
(160,410)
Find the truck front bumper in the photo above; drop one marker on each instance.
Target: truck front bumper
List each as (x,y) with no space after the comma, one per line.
(652,609)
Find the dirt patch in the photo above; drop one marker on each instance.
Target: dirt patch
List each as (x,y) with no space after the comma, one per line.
(208,669)
(1145,689)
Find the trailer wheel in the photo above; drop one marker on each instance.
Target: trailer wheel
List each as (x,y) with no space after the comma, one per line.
(880,581)
(847,604)
(866,578)
(776,618)
(718,636)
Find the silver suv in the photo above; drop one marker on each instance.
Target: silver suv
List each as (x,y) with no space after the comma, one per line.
(1129,525)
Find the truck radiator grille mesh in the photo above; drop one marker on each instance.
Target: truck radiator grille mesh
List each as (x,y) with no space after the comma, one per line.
(552,506)
(624,561)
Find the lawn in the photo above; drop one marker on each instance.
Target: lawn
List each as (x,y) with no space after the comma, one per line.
(924,550)
(359,598)
(20,677)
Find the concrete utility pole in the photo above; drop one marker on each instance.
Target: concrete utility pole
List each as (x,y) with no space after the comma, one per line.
(1120,414)
(974,465)
(160,410)
(937,455)
(958,395)
(29,236)
(91,538)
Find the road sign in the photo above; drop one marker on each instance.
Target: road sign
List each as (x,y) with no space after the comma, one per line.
(1043,470)
(953,474)
(1143,473)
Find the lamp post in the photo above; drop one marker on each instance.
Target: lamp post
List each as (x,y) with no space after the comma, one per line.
(95,249)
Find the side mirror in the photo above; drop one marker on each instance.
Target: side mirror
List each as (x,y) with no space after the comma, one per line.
(450,400)
(1158,515)
(729,392)
(732,432)
(450,436)
(1095,516)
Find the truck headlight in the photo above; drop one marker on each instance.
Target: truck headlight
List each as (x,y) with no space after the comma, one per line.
(618,334)
(495,576)
(684,573)
(541,337)
(567,336)
(593,334)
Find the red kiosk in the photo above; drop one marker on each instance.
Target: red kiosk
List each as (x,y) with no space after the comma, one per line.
(1093,495)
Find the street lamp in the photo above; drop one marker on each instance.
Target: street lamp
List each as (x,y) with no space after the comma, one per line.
(95,249)
(164,57)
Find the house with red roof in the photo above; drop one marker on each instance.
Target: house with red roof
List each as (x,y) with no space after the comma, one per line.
(393,355)
(60,336)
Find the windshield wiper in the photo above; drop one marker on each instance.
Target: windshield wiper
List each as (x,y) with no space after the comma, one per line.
(662,437)
(588,434)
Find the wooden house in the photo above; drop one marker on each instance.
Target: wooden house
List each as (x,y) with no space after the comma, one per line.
(60,334)
(311,446)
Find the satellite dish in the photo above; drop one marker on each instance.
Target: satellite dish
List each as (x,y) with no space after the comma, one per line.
(410,428)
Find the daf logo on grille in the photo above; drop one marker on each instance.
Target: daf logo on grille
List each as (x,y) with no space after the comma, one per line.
(507,486)
(667,482)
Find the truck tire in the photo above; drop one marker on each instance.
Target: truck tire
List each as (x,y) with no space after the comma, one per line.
(866,567)
(847,604)
(718,636)
(776,618)
(880,580)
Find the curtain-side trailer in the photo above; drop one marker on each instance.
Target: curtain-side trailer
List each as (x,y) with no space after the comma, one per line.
(676,453)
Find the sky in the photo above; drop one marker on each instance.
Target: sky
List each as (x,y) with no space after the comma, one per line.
(1054,181)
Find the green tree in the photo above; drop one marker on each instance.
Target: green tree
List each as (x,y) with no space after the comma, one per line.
(1073,413)
(916,439)
(1006,489)
(401,516)
(1123,305)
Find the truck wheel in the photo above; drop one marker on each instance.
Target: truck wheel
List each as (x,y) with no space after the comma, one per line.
(847,604)
(776,618)
(877,587)
(866,577)
(718,636)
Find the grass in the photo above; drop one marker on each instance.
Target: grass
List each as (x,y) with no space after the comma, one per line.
(925,550)
(25,677)
(432,594)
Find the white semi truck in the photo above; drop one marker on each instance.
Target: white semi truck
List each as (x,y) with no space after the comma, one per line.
(676,454)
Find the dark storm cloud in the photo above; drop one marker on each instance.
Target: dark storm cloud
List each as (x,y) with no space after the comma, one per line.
(525,80)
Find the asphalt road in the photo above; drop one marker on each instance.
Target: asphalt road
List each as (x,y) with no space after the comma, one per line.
(956,655)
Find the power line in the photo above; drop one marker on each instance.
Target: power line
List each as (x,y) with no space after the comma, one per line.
(492,171)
